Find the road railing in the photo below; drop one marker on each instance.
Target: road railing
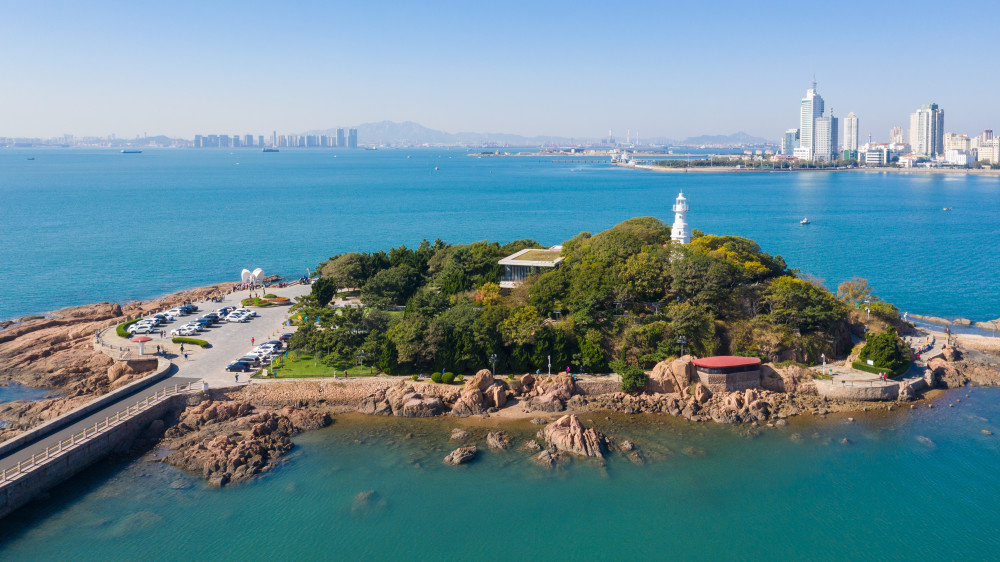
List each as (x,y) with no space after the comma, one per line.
(90,432)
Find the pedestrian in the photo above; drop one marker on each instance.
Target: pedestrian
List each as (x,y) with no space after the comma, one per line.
(182,349)
(237,377)
(251,341)
(185,356)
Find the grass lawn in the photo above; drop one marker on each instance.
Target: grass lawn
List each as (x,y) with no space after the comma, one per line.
(306,367)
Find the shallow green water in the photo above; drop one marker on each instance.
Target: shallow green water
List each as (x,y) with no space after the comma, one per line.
(911,484)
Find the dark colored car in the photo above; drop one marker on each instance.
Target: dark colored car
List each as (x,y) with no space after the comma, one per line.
(285,337)
(276,343)
(251,360)
(239,367)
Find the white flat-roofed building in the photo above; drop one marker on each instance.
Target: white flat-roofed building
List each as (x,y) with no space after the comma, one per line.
(531,261)
(958,157)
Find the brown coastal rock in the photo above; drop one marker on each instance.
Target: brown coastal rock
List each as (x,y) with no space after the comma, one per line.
(567,434)
(461,455)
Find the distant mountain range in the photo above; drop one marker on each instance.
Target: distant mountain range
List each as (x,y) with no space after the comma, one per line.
(410,133)
(735,139)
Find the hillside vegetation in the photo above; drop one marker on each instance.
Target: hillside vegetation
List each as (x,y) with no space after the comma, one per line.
(627,293)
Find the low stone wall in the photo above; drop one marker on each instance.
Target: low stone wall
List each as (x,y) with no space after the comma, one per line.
(15,493)
(55,424)
(730,382)
(857,391)
(592,387)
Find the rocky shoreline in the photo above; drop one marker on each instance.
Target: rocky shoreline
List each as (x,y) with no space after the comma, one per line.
(231,436)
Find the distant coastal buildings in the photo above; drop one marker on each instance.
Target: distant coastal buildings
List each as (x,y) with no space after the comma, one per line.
(350,140)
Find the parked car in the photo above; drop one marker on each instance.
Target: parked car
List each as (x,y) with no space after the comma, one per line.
(285,337)
(184,331)
(251,360)
(147,329)
(275,343)
(164,317)
(175,312)
(234,317)
(239,367)
(194,326)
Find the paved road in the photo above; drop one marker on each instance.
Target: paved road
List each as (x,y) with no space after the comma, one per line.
(229,341)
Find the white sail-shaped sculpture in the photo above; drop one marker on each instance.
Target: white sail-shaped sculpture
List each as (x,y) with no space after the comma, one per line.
(246,276)
(258,275)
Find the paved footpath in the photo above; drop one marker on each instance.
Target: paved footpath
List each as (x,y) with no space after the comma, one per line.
(229,341)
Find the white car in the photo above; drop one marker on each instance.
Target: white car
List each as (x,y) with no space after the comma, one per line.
(146,329)
(184,331)
(176,312)
(192,326)
(236,318)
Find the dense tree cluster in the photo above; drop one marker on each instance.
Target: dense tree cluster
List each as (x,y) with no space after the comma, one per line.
(626,294)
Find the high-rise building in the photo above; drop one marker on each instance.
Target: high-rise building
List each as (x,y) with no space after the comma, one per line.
(352,138)
(810,108)
(260,141)
(247,140)
(789,142)
(927,130)
(341,139)
(851,132)
(896,135)
(197,141)
(825,138)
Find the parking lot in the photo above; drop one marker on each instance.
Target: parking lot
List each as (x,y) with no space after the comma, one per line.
(230,340)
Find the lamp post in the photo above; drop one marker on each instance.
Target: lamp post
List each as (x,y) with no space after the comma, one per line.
(823,357)
(361,360)
(493,360)
(682,341)
(550,365)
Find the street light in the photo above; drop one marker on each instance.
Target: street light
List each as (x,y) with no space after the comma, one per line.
(493,359)
(361,360)
(682,341)
(550,365)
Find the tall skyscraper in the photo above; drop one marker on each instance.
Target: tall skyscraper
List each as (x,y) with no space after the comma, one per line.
(851,132)
(352,138)
(789,142)
(341,139)
(247,140)
(810,108)
(825,138)
(927,130)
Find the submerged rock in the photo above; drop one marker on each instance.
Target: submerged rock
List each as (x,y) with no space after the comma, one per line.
(498,440)
(567,434)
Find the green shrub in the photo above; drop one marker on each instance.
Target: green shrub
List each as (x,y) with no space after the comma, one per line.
(252,301)
(633,377)
(447,378)
(415,378)
(436,376)
(886,351)
(892,373)
(460,378)
(510,377)
(192,341)
(122,329)
(270,296)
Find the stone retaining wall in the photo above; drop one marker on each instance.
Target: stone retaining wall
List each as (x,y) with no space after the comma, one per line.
(592,387)
(730,382)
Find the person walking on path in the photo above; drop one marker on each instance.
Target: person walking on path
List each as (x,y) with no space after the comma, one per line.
(237,378)
(251,341)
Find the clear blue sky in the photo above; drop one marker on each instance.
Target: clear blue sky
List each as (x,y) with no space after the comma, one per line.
(532,68)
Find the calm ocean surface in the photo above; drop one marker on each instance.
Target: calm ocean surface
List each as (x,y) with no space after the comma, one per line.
(79,226)
(83,226)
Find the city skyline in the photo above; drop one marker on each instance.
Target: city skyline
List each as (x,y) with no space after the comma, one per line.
(558,69)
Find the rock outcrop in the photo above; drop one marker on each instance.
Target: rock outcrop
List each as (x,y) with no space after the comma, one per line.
(229,441)
(401,400)
(499,440)
(669,377)
(461,455)
(568,434)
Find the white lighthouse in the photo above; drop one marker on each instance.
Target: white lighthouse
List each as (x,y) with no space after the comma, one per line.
(680,232)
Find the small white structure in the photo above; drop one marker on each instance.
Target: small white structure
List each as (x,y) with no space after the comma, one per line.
(531,261)
(256,276)
(680,232)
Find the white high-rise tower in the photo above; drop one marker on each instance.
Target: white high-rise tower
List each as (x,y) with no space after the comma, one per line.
(810,108)
(680,232)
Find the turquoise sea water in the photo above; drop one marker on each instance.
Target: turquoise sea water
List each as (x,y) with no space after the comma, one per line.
(80,226)
(914,485)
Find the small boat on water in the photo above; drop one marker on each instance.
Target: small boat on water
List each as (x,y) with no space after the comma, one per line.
(946,209)
(270,150)
(31,158)
(131,151)
(804,221)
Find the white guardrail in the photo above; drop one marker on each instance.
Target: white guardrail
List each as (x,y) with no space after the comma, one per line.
(89,433)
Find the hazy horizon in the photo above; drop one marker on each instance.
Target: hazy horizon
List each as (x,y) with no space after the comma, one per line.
(562,69)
